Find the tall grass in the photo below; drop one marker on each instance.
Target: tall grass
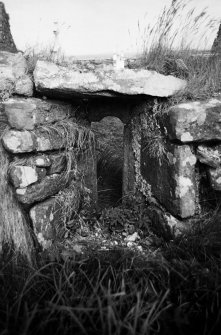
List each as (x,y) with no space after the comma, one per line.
(174,289)
(177,44)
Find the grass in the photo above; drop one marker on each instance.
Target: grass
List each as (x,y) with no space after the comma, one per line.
(172,289)
(167,49)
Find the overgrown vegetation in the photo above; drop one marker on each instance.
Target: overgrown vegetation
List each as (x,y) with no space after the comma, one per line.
(179,43)
(172,288)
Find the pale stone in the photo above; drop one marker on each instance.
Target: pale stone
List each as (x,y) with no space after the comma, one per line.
(22,176)
(13,75)
(18,141)
(194,121)
(61,81)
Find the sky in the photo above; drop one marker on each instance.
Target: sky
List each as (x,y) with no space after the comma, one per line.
(90,27)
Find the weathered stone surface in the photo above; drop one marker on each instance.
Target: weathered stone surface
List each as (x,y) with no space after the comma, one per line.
(6,40)
(60,81)
(22,176)
(49,186)
(172,178)
(13,75)
(194,121)
(44,217)
(17,141)
(48,217)
(215,178)
(209,155)
(25,114)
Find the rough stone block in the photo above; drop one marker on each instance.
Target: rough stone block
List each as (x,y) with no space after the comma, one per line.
(49,186)
(13,75)
(209,155)
(49,216)
(61,81)
(46,138)
(22,176)
(45,216)
(172,178)
(215,178)
(16,141)
(25,114)
(194,121)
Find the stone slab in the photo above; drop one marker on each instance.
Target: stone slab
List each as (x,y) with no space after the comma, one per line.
(194,121)
(13,75)
(61,81)
(26,114)
(172,179)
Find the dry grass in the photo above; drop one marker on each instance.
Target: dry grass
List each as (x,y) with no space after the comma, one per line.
(168,49)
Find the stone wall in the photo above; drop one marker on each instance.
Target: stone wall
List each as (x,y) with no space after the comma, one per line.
(171,157)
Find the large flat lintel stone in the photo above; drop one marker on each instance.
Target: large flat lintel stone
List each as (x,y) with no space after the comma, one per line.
(194,121)
(58,80)
(172,178)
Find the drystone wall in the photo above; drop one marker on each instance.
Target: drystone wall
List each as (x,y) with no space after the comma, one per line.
(48,160)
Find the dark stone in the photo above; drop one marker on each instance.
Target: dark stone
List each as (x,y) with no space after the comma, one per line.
(6,40)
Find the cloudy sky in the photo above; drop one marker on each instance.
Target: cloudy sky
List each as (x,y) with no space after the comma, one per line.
(91,26)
